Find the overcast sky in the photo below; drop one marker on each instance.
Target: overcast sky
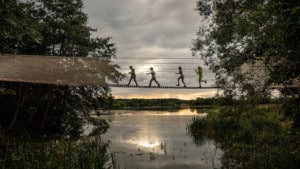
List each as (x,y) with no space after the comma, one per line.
(151,33)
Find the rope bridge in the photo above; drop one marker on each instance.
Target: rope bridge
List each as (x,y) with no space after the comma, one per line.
(58,70)
(74,71)
(161,86)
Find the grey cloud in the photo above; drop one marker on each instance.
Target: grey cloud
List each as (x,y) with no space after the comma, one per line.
(150,29)
(165,23)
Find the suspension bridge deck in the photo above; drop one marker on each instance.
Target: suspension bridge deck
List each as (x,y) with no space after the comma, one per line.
(162,87)
(64,71)
(73,71)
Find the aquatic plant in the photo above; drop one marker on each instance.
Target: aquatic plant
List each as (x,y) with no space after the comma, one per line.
(251,136)
(87,153)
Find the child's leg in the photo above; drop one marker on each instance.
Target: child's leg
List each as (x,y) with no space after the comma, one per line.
(150,81)
(157,82)
(135,81)
(199,82)
(129,81)
(183,81)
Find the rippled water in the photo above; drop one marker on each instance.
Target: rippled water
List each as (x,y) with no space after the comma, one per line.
(158,139)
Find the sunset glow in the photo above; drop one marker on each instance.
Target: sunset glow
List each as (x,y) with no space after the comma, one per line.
(148,144)
(163,93)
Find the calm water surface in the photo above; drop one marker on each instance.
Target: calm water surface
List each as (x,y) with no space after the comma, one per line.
(158,139)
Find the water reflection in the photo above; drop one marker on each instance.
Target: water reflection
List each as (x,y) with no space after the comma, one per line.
(158,139)
(147,144)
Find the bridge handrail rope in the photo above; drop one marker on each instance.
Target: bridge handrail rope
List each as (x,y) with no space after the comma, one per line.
(126,57)
(162,86)
(170,63)
(58,70)
(178,63)
(72,71)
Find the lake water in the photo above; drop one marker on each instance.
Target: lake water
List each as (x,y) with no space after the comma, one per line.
(158,139)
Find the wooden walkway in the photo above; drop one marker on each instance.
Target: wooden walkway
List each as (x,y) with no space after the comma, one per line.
(76,71)
(64,71)
(162,87)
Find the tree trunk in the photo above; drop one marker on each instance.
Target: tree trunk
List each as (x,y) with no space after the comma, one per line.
(33,113)
(21,94)
(43,122)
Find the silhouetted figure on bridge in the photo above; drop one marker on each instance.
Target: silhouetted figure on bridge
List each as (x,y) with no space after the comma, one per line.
(132,76)
(181,76)
(153,78)
(200,75)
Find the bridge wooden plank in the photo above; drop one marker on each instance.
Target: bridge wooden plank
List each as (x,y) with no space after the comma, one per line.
(161,87)
(62,71)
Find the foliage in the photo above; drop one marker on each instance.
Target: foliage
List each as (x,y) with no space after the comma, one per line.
(51,27)
(49,110)
(85,153)
(18,28)
(291,109)
(251,136)
(177,103)
(250,44)
(150,103)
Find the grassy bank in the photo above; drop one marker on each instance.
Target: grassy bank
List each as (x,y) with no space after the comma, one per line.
(85,153)
(252,136)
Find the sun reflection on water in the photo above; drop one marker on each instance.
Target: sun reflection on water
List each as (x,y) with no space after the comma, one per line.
(148,144)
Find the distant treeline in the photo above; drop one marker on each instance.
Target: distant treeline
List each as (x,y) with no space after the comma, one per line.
(178,103)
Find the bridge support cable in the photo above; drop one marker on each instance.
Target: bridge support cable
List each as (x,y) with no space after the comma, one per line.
(80,71)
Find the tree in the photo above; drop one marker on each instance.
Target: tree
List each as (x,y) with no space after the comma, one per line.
(59,28)
(250,44)
(18,27)
(64,28)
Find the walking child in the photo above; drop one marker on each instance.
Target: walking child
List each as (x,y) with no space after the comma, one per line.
(153,78)
(200,75)
(132,76)
(181,76)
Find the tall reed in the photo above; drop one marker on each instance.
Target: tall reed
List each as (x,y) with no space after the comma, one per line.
(86,153)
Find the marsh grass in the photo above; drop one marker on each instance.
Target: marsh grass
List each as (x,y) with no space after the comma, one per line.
(250,136)
(87,153)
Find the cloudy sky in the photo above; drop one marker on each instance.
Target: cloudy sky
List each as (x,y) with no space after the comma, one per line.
(152,33)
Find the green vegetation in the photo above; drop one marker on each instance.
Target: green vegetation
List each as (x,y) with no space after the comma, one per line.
(84,153)
(170,104)
(166,104)
(250,44)
(27,110)
(252,136)
(149,104)
(50,27)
